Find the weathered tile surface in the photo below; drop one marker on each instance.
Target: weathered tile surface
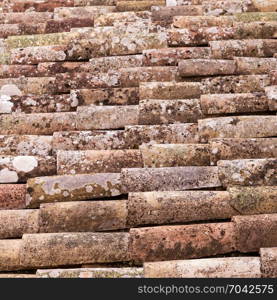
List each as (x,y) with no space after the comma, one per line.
(253,200)
(73,248)
(227,267)
(17,169)
(97,161)
(174,155)
(178,207)
(72,188)
(251,172)
(12,196)
(220,104)
(169,179)
(14,223)
(238,127)
(86,216)
(181,242)
(255,232)
(152,112)
(269,262)
(91,273)
(121,114)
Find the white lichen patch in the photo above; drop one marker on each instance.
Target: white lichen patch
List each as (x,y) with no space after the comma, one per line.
(74,99)
(25,163)
(5,104)
(215,151)
(7,176)
(89,189)
(237,177)
(171,2)
(10,90)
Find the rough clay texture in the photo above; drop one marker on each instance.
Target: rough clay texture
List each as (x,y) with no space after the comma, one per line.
(235,267)
(138,138)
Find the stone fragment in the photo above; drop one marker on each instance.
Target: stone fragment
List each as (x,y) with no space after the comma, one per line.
(89,140)
(86,216)
(171,56)
(97,161)
(255,232)
(12,196)
(110,19)
(26,145)
(138,5)
(14,223)
(269,262)
(169,90)
(271,93)
(161,134)
(169,179)
(108,96)
(254,65)
(206,67)
(175,155)
(252,172)
(235,84)
(178,207)
(15,169)
(9,254)
(72,188)
(91,273)
(237,127)
(35,55)
(131,77)
(181,242)
(37,124)
(153,112)
(212,104)
(251,48)
(242,148)
(73,249)
(220,267)
(106,117)
(248,200)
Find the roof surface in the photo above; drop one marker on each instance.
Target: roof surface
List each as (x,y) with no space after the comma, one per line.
(138,138)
